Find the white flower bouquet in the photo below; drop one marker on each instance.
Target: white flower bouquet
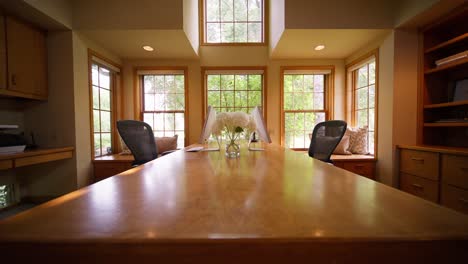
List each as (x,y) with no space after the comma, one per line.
(232,125)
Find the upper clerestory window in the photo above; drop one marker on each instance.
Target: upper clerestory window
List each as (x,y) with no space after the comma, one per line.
(233,22)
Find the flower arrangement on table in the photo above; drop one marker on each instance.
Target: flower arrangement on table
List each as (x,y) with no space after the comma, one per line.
(231,125)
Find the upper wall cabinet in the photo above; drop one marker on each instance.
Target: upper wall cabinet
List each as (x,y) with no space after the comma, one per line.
(3,72)
(26,60)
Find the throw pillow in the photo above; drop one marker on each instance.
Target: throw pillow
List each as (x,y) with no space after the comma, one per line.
(164,144)
(357,140)
(343,146)
(125,149)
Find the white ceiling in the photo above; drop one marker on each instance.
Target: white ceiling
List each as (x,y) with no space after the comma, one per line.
(339,43)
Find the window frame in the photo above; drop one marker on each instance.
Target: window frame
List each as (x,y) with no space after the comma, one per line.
(350,96)
(139,93)
(203,21)
(116,102)
(234,69)
(328,97)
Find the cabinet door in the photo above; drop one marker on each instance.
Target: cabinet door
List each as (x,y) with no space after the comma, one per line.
(26,59)
(3,74)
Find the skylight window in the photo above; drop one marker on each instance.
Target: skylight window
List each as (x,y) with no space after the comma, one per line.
(233,21)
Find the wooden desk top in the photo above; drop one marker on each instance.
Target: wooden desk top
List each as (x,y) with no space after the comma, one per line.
(186,202)
(35,152)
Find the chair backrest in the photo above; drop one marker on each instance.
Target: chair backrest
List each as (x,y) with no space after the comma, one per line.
(139,138)
(325,137)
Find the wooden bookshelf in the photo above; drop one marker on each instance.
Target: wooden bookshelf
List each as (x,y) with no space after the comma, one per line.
(441,39)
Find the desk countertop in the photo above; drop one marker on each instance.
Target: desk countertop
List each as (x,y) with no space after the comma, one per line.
(275,205)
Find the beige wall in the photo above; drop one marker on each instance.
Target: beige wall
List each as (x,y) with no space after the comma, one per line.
(60,11)
(385,112)
(276,21)
(336,14)
(234,56)
(384,170)
(191,29)
(81,103)
(53,123)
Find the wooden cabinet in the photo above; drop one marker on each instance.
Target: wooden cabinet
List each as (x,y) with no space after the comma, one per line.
(360,164)
(25,60)
(444,116)
(439,175)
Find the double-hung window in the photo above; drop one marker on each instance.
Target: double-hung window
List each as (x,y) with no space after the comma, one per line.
(362,99)
(104,81)
(230,90)
(163,104)
(233,21)
(306,94)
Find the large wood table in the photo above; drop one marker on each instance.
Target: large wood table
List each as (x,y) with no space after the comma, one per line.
(275,206)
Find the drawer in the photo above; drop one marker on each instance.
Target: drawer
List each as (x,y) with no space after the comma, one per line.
(360,167)
(455,170)
(454,198)
(424,188)
(420,163)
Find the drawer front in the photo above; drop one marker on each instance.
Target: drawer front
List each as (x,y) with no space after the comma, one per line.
(455,170)
(105,170)
(365,169)
(421,187)
(454,198)
(420,163)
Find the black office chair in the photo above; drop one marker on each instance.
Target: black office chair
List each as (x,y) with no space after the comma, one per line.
(139,138)
(325,137)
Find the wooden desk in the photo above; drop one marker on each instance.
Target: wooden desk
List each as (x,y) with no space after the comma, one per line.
(276,206)
(30,157)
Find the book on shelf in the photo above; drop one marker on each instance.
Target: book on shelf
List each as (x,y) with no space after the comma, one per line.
(452,58)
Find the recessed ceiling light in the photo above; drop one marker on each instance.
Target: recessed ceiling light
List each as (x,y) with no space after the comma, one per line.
(319,47)
(148,48)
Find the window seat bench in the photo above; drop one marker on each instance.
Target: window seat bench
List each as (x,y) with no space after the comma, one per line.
(363,165)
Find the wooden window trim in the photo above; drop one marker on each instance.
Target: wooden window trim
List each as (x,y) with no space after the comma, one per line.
(138,93)
(350,87)
(328,90)
(233,68)
(117,103)
(265,27)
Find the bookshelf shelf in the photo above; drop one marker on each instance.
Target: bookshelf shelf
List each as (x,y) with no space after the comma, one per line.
(447,124)
(448,43)
(448,66)
(443,105)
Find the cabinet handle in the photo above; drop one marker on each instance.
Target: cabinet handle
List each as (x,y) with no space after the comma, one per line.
(417,186)
(13,79)
(418,159)
(465,201)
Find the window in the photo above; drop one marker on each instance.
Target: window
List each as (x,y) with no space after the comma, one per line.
(104,82)
(233,21)
(163,103)
(362,89)
(305,103)
(234,90)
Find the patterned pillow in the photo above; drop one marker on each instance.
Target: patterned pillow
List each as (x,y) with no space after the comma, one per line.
(343,146)
(164,144)
(357,140)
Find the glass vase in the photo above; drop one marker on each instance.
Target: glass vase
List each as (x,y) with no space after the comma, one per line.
(232,149)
